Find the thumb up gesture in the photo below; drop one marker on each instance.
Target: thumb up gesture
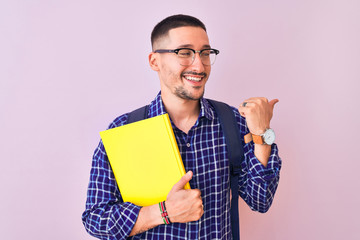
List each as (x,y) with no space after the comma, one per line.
(184,205)
(258,113)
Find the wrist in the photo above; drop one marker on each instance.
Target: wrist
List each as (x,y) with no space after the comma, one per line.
(265,138)
(147,218)
(262,153)
(259,131)
(164,213)
(155,215)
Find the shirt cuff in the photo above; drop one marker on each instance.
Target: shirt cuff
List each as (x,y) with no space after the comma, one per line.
(258,172)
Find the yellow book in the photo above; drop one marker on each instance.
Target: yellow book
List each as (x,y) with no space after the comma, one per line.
(145,159)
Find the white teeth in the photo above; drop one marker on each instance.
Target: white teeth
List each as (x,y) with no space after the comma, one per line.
(196,79)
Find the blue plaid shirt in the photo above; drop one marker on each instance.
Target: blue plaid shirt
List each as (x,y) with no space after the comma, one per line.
(204,152)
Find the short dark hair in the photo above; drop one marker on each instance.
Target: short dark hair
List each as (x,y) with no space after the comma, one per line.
(162,28)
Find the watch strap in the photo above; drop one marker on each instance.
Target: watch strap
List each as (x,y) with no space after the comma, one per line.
(248,138)
(255,138)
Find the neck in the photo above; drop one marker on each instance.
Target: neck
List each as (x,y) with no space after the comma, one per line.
(184,113)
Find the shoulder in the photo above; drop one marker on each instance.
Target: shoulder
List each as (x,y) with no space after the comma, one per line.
(241,121)
(234,110)
(119,121)
(135,115)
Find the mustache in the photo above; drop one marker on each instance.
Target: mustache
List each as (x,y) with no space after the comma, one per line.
(194,73)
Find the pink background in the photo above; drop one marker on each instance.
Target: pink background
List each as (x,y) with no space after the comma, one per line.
(67,68)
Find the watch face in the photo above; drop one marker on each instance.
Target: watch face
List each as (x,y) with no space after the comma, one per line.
(269,136)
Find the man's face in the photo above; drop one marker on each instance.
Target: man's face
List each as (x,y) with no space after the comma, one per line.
(185,82)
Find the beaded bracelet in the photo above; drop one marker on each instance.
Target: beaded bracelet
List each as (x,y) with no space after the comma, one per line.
(164,213)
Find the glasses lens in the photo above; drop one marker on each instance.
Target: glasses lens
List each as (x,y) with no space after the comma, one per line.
(186,57)
(208,57)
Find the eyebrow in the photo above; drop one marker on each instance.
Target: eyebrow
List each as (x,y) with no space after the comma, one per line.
(190,46)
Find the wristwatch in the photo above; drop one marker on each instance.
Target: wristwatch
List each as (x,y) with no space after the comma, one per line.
(268,137)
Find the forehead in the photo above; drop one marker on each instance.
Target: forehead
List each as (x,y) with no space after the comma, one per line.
(195,37)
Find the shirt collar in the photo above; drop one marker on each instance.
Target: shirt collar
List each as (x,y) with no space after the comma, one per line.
(206,110)
(157,108)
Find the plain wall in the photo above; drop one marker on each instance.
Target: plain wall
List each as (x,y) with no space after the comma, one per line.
(68,68)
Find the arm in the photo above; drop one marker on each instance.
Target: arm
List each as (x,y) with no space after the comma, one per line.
(258,113)
(182,206)
(257,183)
(260,170)
(108,217)
(262,153)
(149,217)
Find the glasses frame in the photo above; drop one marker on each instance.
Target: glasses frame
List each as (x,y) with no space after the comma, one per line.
(176,51)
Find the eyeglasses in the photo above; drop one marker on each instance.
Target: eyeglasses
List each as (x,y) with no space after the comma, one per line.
(187,55)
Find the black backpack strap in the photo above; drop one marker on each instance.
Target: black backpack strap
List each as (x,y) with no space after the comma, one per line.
(236,155)
(138,114)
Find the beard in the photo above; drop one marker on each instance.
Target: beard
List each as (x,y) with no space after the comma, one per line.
(182,93)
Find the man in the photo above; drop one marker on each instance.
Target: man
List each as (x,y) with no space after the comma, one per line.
(182,57)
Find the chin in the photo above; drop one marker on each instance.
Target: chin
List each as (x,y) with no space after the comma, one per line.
(184,94)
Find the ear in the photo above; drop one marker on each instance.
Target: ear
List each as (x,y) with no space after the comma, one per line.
(153,61)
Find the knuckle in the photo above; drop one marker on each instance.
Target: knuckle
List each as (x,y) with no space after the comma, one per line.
(198,215)
(197,193)
(201,213)
(264,101)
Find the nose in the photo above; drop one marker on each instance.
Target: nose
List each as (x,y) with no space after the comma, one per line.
(197,65)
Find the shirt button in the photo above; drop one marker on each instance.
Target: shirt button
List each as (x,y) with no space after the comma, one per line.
(188,144)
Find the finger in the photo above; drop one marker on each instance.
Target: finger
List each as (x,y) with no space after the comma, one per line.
(246,104)
(241,111)
(273,102)
(184,180)
(244,110)
(250,102)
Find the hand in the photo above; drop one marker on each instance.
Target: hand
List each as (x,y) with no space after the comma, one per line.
(184,205)
(258,113)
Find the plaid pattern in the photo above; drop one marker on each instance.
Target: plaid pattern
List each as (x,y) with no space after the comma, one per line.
(204,152)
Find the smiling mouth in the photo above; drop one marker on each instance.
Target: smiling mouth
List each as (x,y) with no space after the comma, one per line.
(192,78)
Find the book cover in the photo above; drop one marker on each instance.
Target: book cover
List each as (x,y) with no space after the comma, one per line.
(145,159)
